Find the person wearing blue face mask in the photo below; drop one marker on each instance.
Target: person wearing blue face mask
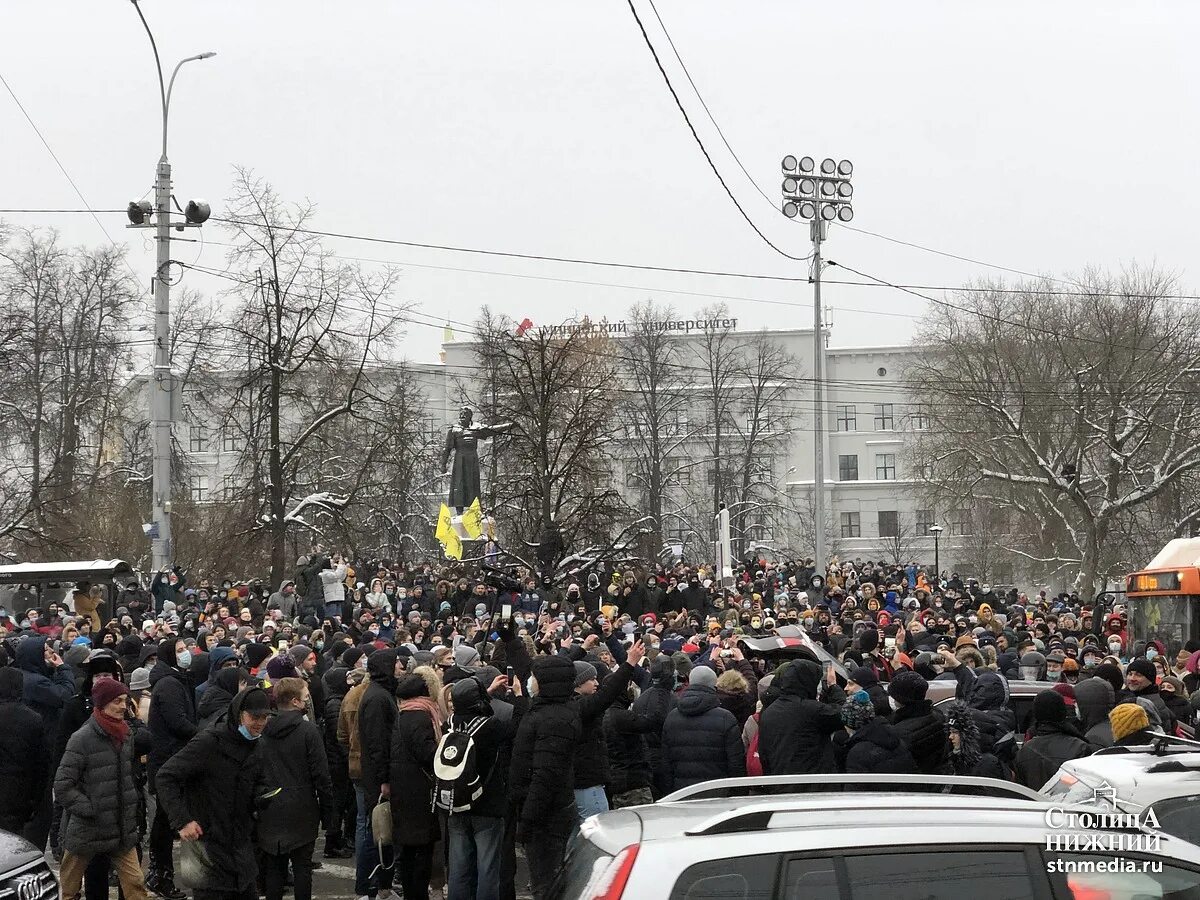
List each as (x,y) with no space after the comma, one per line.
(210,792)
(172,724)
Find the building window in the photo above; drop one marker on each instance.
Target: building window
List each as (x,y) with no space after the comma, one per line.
(917,418)
(847,417)
(229,488)
(762,466)
(676,471)
(925,521)
(633,479)
(198,439)
(848,467)
(231,441)
(925,471)
(999,521)
(1002,573)
(885,466)
(710,476)
(884,420)
(960,522)
(851,525)
(199,488)
(889,523)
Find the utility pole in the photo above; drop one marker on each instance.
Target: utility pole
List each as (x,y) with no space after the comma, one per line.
(163,399)
(820,198)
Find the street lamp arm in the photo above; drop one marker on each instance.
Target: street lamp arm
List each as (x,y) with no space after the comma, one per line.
(171,86)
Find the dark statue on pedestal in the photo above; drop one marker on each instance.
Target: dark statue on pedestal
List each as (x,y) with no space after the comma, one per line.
(462,440)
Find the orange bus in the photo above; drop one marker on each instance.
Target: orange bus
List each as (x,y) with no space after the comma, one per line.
(1164,597)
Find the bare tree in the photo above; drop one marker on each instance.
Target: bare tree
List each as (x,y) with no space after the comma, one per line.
(1072,410)
(556,387)
(657,426)
(291,371)
(65,352)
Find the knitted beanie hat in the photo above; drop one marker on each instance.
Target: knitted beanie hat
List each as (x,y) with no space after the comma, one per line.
(584,672)
(106,690)
(1049,706)
(1126,718)
(858,710)
(703,675)
(907,687)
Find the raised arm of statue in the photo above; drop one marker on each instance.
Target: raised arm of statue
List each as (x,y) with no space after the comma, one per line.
(487,431)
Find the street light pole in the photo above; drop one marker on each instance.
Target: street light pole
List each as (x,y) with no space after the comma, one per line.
(936,531)
(821,198)
(162,387)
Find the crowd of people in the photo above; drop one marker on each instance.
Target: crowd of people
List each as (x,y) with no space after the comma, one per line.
(429,722)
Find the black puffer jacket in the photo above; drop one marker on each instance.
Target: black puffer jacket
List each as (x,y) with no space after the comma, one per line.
(44,690)
(172,709)
(655,703)
(215,780)
(23,758)
(414,743)
(988,699)
(335,753)
(923,731)
(376,720)
(543,758)
(794,730)
(1042,755)
(96,789)
(591,754)
(625,734)
(877,748)
(293,759)
(702,741)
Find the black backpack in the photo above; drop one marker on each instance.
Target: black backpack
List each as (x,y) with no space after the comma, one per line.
(457,782)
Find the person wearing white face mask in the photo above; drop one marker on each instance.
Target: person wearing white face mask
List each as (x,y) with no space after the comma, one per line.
(172,724)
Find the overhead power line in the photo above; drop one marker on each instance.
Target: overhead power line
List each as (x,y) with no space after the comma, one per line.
(699,143)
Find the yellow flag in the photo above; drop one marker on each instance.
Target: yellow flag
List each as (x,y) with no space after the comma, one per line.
(447,535)
(473,520)
(443,524)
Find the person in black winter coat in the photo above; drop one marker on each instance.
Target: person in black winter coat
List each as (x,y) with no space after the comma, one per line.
(376,720)
(209,791)
(47,685)
(214,705)
(625,730)
(873,746)
(864,677)
(966,756)
(339,837)
(172,725)
(987,698)
(921,727)
(293,760)
(475,838)
(700,740)
(795,727)
(414,824)
(591,754)
(543,770)
(1055,740)
(23,759)
(95,785)
(655,703)
(656,598)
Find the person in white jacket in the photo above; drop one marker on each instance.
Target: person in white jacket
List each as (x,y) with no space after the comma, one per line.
(333,582)
(376,598)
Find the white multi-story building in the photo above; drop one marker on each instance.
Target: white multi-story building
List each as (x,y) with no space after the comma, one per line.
(873,505)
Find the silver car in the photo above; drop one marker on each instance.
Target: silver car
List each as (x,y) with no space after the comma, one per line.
(868,837)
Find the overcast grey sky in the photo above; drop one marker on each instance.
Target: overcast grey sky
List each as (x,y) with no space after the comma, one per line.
(1041,136)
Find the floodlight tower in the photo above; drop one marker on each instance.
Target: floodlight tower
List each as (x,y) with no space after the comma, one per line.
(820,198)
